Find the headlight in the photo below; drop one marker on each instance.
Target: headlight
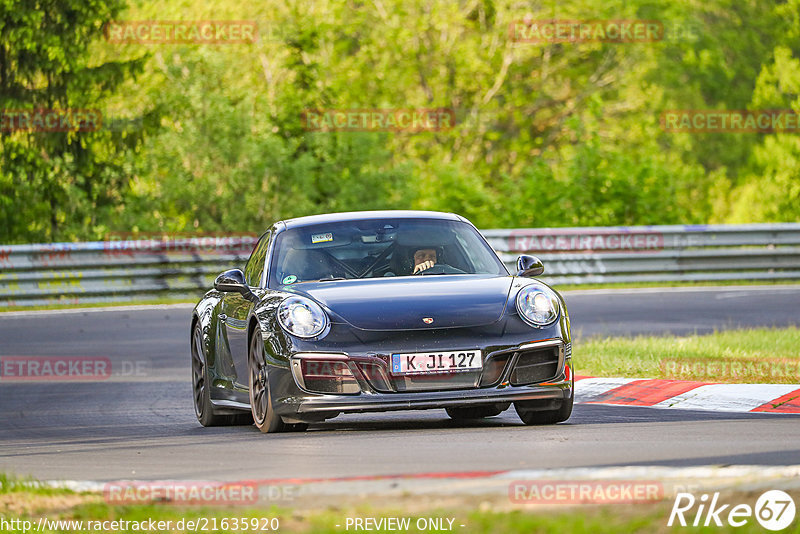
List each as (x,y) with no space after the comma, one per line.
(302,317)
(537,305)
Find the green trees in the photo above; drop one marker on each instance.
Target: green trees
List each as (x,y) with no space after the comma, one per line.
(770,186)
(547,134)
(57,184)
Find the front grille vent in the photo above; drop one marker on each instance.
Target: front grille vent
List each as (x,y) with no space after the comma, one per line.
(535,365)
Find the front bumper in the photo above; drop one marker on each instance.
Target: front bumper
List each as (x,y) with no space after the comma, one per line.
(380,402)
(293,397)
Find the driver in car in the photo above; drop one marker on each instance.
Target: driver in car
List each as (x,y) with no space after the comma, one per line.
(424,259)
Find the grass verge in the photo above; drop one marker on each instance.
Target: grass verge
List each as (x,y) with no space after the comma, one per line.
(761,355)
(24,504)
(27,506)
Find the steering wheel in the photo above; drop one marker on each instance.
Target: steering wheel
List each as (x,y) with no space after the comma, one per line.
(441,268)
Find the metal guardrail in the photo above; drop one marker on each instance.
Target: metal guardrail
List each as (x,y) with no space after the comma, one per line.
(116,271)
(184,267)
(602,255)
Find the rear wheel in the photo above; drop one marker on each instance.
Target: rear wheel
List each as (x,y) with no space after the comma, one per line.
(264,415)
(476,412)
(203,408)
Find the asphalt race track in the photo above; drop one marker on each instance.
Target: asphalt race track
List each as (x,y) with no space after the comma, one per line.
(139,423)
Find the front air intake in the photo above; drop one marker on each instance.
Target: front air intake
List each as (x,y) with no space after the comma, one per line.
(325,376)
(536,365)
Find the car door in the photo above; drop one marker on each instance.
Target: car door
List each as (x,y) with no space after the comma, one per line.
(235,311)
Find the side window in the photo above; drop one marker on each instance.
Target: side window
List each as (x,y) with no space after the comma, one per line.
(255,265)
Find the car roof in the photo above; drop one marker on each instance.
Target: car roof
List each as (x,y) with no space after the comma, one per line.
(362,215)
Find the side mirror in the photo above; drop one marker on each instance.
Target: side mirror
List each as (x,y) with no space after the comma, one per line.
(529,266)
(231,281)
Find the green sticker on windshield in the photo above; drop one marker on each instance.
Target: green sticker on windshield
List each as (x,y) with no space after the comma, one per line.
(291,279)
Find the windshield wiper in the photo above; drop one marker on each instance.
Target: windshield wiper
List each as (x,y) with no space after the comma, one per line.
(331,279)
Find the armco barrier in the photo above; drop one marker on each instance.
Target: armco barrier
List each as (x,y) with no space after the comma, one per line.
(112,271)
(657,253)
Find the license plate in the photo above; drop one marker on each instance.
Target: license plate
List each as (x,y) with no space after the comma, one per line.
(436,362)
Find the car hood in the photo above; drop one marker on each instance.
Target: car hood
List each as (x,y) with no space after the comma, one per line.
(402,303)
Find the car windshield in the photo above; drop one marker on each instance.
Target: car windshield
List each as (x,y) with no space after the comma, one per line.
(377,248)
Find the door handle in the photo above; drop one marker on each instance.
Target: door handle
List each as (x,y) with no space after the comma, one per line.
(223,317)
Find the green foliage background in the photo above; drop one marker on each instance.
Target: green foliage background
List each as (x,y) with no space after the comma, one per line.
(210,138)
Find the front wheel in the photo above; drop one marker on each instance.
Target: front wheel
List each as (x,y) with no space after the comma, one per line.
(264,415)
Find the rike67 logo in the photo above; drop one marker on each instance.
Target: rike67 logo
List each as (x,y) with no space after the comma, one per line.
(774,510)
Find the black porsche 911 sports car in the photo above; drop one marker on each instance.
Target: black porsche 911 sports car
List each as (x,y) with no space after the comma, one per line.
(377,311)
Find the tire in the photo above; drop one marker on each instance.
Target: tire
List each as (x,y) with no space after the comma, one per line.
(203,408)
(532,416)
(475,412)
(264,416)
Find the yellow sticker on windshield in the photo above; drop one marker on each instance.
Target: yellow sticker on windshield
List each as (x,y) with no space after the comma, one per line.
(321,238)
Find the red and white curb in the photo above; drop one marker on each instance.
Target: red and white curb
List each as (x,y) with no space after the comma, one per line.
(688,395)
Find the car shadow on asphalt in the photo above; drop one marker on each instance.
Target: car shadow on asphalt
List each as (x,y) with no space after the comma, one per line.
(583,414)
